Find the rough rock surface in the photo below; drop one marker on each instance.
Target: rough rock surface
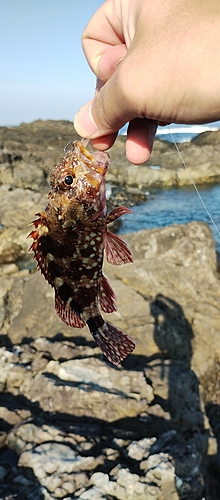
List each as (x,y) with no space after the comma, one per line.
(39,145)
(201,157)
(74,426)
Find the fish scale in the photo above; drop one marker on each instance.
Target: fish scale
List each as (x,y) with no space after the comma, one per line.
(69,241)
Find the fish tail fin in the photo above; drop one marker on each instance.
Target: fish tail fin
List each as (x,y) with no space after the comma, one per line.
(114,342)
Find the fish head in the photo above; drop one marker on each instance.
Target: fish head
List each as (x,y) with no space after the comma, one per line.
(78,185)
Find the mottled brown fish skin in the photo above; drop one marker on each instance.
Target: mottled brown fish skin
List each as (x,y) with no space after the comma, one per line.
(69,242)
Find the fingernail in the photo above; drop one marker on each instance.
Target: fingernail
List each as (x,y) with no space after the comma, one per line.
(84,122)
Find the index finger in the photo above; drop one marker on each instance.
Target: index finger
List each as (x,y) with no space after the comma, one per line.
(103,32)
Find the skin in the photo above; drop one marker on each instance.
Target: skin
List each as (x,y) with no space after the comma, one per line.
(155,62)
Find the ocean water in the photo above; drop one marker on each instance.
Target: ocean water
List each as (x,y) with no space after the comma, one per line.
(168,206)
(180,133)
(184,133)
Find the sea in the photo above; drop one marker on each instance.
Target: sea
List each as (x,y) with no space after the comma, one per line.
(179,205)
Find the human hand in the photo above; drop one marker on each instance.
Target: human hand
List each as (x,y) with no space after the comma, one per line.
(155,62)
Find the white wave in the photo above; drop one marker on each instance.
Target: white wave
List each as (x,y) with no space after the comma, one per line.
(182,129)
(187,129)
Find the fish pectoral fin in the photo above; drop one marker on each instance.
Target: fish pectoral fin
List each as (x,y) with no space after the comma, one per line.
(68,316)
(117,251)
(116,213)
(114,343)
(107,297)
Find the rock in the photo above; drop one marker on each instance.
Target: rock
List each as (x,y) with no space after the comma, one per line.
(72,425)
(29,152)
(77,385)
(167,273)
(3,473)
(64,374)
(132,487)
(140,449)
(16,212)
(58,468)
(165,168)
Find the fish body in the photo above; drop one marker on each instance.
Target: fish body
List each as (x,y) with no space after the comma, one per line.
(70,238)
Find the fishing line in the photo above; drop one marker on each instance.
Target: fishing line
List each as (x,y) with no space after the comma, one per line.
(193,183)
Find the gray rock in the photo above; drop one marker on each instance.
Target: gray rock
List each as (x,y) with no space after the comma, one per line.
(200,155)
(139,450)
(72,425)
(58,467)
(31,150)
(93,493)
(173,266)
(132,487)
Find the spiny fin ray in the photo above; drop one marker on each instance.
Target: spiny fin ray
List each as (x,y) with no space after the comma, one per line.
(116,213)
(117,251)
(107,297)
(68,316)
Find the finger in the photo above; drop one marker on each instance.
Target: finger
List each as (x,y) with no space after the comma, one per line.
(140,138)
(104,142)
(113,106)
(109,60)
(85,127)
(103,31)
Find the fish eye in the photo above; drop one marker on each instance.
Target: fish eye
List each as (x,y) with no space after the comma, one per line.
(68,180)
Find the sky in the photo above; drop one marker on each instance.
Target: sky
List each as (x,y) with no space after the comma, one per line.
(43,71)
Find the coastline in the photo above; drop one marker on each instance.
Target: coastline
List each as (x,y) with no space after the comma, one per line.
(40,145)
(165,168)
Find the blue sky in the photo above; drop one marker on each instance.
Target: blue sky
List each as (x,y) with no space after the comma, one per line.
(43,72)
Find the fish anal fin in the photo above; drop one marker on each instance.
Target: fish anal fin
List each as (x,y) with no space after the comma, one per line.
(117,251)
(67,315)
(116,213)
(107,297)
(114,343)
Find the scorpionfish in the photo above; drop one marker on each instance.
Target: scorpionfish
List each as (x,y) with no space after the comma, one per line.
(70,238)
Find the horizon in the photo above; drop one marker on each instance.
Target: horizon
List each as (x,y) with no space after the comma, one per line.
(178,133)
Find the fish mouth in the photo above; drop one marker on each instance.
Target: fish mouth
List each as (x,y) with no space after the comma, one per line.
(102,158)
(97,161)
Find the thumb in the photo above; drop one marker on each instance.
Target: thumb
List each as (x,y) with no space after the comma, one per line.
(108,111)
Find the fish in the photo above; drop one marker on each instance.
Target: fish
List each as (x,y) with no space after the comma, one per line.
(69,241)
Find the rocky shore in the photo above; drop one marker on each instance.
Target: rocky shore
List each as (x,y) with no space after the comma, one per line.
(72,426)
(40,145)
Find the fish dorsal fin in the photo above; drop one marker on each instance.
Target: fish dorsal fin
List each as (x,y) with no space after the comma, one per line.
(117,251)
(68,316)
(39,235)
(107,297)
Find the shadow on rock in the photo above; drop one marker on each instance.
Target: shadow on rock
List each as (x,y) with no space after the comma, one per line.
(187,442)
(211,385)
(77,427)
